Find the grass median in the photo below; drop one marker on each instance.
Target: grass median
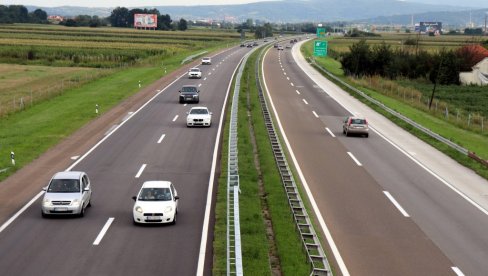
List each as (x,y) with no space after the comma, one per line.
(262,255)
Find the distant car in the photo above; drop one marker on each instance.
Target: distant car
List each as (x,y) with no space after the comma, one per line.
(68,193)
(156,202)
(189,94)
(255,43)
(243,45)
(292,41)
(265,40)
(295,40)
(355,125)
(195,73)
(249,45)
(275,45)
(199,116)
(206,61)
(280,47)
(288,46)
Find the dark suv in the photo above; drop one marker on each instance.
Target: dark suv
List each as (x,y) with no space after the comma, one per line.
(189,94)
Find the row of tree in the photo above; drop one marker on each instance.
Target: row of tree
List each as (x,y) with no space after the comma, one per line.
(20,14)
(442,67)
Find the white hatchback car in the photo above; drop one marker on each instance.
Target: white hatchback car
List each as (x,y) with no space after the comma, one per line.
(156,202)
(206,61)
(68,193)
(199,116)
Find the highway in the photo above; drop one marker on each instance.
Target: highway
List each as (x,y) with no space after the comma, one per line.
(386,214)
(152,143)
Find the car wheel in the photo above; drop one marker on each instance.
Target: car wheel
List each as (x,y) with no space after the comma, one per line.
(367,135)
(174,220)
(44,215)
(135,222)
(197,101)
(347,133)
(82,212)
(89,204)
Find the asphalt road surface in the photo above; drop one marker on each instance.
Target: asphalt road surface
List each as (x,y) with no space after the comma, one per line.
(152,144)
(386,214)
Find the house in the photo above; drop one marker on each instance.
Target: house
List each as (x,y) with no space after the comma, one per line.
(479,75)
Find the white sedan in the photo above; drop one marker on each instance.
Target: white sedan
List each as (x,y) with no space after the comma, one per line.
(199,116)
(156,202)
(206,61)
(195,73)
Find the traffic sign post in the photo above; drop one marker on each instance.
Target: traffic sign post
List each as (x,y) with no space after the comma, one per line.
(320,48)
(320,32)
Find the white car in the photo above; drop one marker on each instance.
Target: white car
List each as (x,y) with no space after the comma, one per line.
(206,61)
(68,193)
(156,202)
(195,73)
(199,116)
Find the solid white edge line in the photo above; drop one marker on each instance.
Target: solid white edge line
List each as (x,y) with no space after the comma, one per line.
(161,139)
(140,170)
(305,101)
(328,235)
(206,220)
(438,177)
(330,132)
(103,231)
(457,271)
(354,158)
(176,117)
(315,114)
(14,217)
(397,205)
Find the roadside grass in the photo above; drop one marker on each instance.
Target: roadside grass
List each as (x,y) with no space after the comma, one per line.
(468,139)
(255,245)
(31,132)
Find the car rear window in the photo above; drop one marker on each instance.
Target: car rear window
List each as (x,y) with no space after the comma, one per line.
(358,121)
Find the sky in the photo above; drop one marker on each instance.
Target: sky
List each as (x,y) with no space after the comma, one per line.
(149,3)
(122,3)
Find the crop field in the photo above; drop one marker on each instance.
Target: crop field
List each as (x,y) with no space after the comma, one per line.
(97,47)
(39,62)
(426,43)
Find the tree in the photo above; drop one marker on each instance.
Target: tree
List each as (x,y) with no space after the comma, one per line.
(164,22)
(264,31)
(18,13)
(182,25)
(358,61)
(38,16)
(120,17)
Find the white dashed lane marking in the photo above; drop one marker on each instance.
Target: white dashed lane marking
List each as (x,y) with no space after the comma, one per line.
(141,170)
(176,117)
(397,205)
(103,231)
(161,139)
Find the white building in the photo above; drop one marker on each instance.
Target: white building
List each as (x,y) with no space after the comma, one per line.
(478,76)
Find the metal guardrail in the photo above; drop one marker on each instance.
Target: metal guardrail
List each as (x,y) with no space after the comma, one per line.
(316,256)
(234,250)
(393,112)
(190,58)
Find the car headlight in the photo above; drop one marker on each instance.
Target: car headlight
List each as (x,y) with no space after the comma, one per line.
(138,209)
(75,203)
(168,209)
(46,202)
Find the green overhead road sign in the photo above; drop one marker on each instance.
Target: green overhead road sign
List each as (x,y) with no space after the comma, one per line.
(320,32)
(320,48)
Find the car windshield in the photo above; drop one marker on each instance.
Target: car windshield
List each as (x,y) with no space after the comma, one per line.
(358,121)
(64,186)
(155,194)
(198,111)
(189,89)
(195,70)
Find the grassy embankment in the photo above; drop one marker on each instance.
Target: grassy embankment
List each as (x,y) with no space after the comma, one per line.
(472,139)
(271,202)
(32,130)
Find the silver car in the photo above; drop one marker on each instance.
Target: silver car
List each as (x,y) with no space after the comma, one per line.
(355,125)
(68,193)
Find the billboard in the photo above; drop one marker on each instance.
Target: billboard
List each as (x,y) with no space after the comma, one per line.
(429,27)
(145,20)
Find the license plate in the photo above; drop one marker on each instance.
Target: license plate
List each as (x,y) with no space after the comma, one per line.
(62,209)
(153,218)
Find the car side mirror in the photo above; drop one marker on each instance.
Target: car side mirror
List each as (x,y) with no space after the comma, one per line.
(86,189)
(177,197)
(179,91)
(198,91)
(187,113)
(211,113)
(44,188)
(134,198)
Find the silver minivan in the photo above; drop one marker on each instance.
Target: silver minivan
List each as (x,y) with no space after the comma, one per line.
(68,193)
